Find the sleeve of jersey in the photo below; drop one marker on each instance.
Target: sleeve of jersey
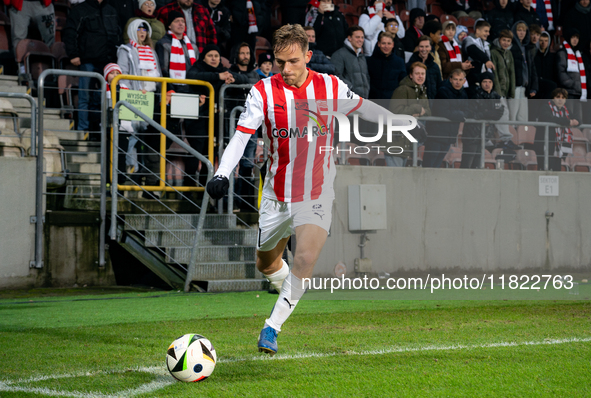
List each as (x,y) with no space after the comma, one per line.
(233,153)
(253,115)
(348,101)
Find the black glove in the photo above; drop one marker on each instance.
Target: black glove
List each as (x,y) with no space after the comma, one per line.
(217,187)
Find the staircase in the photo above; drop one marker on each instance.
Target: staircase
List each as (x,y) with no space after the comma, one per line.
(226,254)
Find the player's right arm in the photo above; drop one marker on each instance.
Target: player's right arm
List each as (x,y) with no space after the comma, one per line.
(250,120)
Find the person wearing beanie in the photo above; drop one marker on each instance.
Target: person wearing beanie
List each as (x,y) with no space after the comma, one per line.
(485,104)
(175,64)
(545,63)
(449,51)
(199,26)
(416,23)
(265,63)
(146,12)
(579,18)
(209,68)
(137,57)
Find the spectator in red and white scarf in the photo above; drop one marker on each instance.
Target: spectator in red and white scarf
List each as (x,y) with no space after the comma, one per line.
(571,69)
(138,57)
(373,22)
(560,143)
(199,26)
(174,48)
(449,51)
(416,22)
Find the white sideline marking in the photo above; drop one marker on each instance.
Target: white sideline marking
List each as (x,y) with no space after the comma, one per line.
(165,380)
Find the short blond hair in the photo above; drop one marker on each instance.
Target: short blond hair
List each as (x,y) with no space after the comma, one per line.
(288,35)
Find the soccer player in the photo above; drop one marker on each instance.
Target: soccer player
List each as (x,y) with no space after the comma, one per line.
(298,188)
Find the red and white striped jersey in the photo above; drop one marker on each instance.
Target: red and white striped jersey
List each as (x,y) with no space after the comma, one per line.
(298,169)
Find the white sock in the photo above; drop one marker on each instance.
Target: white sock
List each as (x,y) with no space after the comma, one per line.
(276,279)
(291,292)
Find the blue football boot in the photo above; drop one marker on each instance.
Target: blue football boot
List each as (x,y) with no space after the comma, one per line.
(268,340)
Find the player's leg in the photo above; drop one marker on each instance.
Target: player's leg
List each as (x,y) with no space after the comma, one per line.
(274,232)
(311,239)
(272,266)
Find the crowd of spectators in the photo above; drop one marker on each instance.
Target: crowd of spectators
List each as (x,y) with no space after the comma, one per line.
(514,52)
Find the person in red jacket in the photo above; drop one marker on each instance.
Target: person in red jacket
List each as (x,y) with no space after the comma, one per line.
(23,11)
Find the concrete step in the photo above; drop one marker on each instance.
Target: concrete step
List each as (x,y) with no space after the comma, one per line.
(11,88)
(21,103)
(142,222)
(210,237)
(86,168)
(71,145)
(65,133)
(228,270)
(82,157)
(212,254)
(233,285)
(7,81)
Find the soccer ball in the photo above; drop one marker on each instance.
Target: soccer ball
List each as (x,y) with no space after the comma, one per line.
(191,358)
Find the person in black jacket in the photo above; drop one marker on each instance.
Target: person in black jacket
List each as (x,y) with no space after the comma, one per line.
(425,56)
(526,78)
(545,63)
(241,31)
(415,22)
(500,18)
(485,104)
(330,27)
(579,18)
(478,51)
(91,36)
(452,103)
(385,68)
(125,10)
(209,69)
(559,139)
(319,62)
(220,15)
(391,26)
(524,12)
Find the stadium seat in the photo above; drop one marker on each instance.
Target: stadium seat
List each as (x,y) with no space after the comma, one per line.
(489,161)
(354,158)
(453,159)
(525,160)
(35,56)
(4,40)
(467,22)
(448,17)
(378,159)
(262,46)
(499,151)
(525,135)
(578,161)
(60,24)
(404,17)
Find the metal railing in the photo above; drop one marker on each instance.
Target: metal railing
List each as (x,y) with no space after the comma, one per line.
(103,190)
(545,125)
(164,81)
(38,219)
(115,186)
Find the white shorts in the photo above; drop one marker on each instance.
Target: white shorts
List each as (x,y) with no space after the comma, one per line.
(278,220)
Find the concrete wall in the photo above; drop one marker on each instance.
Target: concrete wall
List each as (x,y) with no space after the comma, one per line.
(465,220)
(17,234)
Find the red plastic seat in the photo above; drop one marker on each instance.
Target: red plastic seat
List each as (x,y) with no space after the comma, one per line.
(526,160)
(453,159)
(578,160)
(448,17)
(36,57)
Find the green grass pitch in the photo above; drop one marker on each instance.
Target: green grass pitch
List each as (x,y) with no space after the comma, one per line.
(113,344)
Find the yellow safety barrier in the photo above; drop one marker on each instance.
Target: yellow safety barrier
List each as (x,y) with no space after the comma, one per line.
(164,81)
